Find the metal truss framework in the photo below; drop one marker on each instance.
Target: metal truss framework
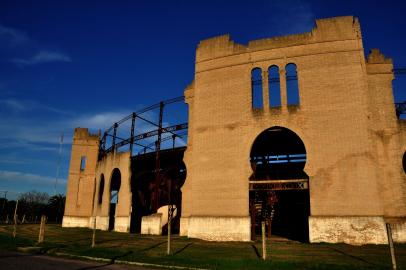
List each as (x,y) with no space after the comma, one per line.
(135,138)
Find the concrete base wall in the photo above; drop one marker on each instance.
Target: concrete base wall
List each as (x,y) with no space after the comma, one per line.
(71,221)
(218,228)
(152,224)
(102,223)
(399,230)
(122,224)
(354,230)
(184,222)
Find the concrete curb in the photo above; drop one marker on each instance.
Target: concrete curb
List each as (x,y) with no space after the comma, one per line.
(126,262)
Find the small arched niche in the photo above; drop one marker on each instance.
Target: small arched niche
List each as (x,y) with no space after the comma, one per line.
(101,189)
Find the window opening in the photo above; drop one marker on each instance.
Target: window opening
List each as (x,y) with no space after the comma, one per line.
(83,163)
(292,87)
(274,86)
(256,88)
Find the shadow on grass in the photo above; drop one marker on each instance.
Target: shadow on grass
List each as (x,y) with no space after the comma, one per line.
(182,249)
(79,240)
(153,246)
(112,261)
(352,256)
(256,251)
(104,241)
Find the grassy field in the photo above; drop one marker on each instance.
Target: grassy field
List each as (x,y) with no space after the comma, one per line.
(202,254)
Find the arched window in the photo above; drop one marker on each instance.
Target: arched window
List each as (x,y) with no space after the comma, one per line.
(274,86)
(256,88)
(292,88)
(404,162)
(101,188)
(115,184)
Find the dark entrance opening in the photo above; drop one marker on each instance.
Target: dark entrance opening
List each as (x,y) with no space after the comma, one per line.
(279,194)
(143,179)
(115,184)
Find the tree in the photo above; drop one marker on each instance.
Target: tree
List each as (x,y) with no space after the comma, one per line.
(56,207)
(33,204)
(34,197)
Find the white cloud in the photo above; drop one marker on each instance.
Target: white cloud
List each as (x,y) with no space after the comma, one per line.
(97,121)
(12,36)
(27,177)
(9,158)
(13,104)
(41,58)
(17,182)
(17,105)
(39,133)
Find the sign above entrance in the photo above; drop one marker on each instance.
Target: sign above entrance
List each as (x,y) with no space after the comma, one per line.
(288,184)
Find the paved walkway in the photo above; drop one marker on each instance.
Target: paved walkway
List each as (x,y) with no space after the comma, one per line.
(21,261)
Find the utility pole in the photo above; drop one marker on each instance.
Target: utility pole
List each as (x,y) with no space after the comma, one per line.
(58,164)
(15,220)
(391,247)
(94,215)
(158,160)
(170,213)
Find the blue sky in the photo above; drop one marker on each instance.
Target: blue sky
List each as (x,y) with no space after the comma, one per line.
(65,64)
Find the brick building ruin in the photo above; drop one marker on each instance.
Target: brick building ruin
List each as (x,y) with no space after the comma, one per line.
(299,131)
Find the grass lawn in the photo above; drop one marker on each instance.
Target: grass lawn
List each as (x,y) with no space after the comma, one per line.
(203,254)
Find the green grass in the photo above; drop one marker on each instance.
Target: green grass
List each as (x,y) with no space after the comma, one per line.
(202,254)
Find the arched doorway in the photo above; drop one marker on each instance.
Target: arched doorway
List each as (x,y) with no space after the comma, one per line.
(279,194)
(115,184)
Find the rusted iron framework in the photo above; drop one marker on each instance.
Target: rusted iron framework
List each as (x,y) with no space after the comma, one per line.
(159,130)
(401,106)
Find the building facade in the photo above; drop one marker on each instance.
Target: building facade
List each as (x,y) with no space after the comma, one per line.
(298,131)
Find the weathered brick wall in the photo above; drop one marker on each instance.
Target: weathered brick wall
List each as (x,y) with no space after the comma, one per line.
(344,105)
(80,185)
